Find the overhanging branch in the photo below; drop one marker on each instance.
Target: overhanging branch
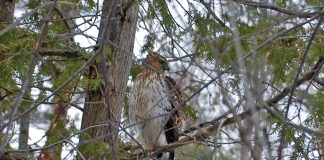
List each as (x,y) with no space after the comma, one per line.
(60,52)
(68,53)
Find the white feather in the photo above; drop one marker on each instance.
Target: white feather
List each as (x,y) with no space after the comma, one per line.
(149,106)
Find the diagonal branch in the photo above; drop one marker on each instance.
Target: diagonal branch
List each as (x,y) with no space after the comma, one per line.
(271,102)
(295,13)
(214,15)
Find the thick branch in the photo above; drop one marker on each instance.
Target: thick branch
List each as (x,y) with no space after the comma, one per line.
(51,52)
(60,52)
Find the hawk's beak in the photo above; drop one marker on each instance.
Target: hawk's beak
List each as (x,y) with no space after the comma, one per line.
(166,68)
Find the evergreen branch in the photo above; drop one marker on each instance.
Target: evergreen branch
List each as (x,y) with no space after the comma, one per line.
(29,72)
(214,15)
(60,52)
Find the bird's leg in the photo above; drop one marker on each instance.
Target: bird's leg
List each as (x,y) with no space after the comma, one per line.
(178,119)
(149,147)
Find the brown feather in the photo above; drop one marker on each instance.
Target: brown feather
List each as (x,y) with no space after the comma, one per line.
(171,128)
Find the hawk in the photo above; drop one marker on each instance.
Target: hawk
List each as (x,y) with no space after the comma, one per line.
(154,102)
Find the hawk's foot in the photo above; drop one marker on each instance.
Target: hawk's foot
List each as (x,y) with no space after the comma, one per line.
(150,148)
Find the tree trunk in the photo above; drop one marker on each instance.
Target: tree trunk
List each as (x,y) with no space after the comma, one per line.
(7,11)
(24,131)
(24,126)
(118,28)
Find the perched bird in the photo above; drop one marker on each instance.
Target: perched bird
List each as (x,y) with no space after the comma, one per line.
(153,105)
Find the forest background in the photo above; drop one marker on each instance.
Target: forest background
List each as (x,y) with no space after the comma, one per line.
(251,72)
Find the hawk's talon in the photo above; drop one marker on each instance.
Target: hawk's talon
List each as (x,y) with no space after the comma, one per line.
(151,147)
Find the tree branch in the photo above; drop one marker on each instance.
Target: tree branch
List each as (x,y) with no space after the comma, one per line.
(271,102)
(214,15)
(295,13)
(50,52)
(60,52)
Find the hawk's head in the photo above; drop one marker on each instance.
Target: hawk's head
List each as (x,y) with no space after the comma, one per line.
(155,62)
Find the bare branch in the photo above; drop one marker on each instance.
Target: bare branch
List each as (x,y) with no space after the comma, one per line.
(278,9)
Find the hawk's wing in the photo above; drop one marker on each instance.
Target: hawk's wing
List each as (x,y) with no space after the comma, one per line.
(175,97)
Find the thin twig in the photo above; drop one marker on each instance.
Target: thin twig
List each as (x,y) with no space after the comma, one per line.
(295,13)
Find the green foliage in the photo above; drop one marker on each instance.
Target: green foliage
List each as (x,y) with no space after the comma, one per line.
(189,111)
(160,6)
(282,57)
(194,151)
(91,3)
(316,119)
(9,41)
(299,149)
(149,41)
(317,48)
(14,56)
(281,3)
(88,5)
(69,68)
(135,70)
(108,52)
(96,83)
(94,149)
(33,3)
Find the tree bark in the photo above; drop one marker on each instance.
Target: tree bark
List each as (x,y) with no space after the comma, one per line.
(118,33)
(24,126)
(6,17)
(24,131)
(7,11)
